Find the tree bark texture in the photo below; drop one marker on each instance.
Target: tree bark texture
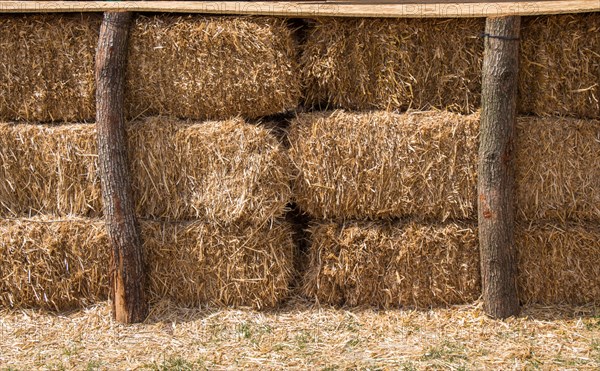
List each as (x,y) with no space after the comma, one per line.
(496,167)
(127,267)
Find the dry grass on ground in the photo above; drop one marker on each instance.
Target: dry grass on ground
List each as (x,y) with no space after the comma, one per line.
(301,336)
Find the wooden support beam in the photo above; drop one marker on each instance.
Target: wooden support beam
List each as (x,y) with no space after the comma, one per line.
(310,9)
(496,167)
(127,267)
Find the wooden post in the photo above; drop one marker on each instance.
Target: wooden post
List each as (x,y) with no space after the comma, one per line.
(496,167)
(127,267)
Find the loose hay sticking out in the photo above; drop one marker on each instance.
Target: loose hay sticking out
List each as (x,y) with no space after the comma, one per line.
(226,171)
(47,67)
(394,64)
(558,169)
(385,165)
(60,265)
(393,264)
(559,263)
(211,67)
(560,65)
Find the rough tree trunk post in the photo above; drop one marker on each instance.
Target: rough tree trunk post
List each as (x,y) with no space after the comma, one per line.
(127,267)
(496,167)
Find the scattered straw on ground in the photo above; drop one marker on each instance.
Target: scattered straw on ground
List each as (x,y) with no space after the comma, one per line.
(47,67)
(394,64)
(301,336)
(211,67)
(61,264)
(558,263)
(385,165)
(393,264)
(560,65)
(226,171)
(424,164)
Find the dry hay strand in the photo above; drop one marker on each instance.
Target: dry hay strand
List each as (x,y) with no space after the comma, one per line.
(53,264)
(63,264)
(47,67)
(199,263)
(394,64)
(558,263)
(424,165)
(560,65)
(225,171)
(557,169)
(393,264)
(48,169)
(211,67)
(385,165)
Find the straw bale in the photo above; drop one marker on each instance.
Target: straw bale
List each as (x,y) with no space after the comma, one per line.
(558,263)
(560,65)
(53,264)
(63,264)
(393,264)
(225,171)
(557,169)
(47,66)
(394,64)
(185,66)
(199,263)
(385,165)
(211,67)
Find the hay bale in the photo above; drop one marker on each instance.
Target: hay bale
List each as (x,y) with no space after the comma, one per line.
(557,169)
(47,67)
(394,64)
(53,264)
(560,65)
(393,264)
(199,263)
(558,263)
(63,264)
(424,165)
(385,165)
(225,171)
(49,169)
(211,67)
(185,66)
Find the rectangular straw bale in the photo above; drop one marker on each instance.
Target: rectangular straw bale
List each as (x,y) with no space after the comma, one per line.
(394,64)
(558,263)
(200,263)
(47,67)
(393,264)
(424,165)
(557,169)
(225,171)
(211,67)
(385,165)
(53,264)
(560,65)
(63,264)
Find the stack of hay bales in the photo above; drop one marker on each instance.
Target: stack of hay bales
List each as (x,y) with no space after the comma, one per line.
(395,198)
(396,64)
(374,178)
(211,195)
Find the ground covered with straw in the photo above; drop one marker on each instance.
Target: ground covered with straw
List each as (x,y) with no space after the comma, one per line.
(301,335)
